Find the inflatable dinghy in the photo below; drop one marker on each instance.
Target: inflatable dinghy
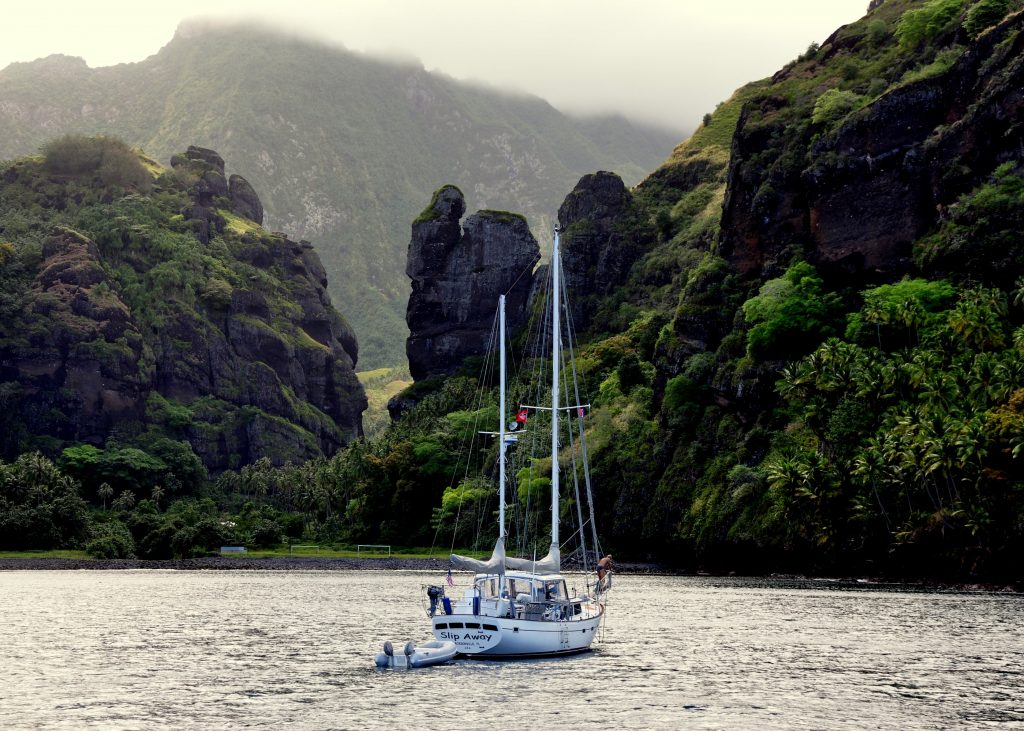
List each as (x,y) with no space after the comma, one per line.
(433,652)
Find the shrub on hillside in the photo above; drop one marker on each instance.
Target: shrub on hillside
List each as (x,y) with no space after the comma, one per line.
(110,539)
(984,15)
(922,24)
(790,314)
(833,105)
(108,159)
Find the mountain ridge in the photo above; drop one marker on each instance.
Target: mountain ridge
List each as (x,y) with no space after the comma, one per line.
(342,147)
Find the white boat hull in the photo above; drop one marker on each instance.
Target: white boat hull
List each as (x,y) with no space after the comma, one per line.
(506,637)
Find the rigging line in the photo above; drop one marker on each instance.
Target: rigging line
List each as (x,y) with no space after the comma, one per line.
(524,531)
(471,437)
(583,436)
(575,473)
(529,268)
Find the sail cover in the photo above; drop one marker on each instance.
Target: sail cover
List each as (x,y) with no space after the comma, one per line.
(494,565)
(550,564)
(498,562)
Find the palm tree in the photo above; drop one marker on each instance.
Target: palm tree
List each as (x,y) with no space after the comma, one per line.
(869,465)
(157,494)
(125,501)
(105,492)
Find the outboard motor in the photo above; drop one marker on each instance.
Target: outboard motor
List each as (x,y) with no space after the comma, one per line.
(434,593)
(389,650)
(409,648)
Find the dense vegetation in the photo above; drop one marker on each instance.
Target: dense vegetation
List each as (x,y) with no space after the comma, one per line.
(799,418)
(114,313)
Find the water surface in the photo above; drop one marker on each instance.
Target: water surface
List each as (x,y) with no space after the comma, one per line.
(159,649)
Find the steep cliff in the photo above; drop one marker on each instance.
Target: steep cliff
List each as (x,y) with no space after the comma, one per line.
(457,273)
(805,328)
(150,309)
(851,155)
(343,148)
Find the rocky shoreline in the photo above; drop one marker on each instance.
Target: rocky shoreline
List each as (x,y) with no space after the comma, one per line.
(227,563)
(245,563)
(439,565)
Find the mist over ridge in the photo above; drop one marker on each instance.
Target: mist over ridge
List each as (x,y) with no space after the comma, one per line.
(344,148)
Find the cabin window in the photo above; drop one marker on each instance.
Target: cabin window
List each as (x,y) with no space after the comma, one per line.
(491,627)
(440,625)
(455,625)
(487,587)
(519,586)
(472,625)
(554,590)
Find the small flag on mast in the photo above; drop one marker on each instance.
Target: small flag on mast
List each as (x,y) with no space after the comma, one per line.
(522,416)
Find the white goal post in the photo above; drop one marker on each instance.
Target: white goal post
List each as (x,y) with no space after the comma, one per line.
(361,546)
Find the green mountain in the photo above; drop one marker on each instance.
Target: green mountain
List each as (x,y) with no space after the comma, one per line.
(805,331)
(803,334)
(343,148)
(142,309)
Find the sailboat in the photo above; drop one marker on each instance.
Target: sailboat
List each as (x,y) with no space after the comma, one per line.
(522,607)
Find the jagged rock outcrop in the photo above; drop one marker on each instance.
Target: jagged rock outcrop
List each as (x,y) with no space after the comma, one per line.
(243,356)
(884,176)
(244,200)
(79,376)
(202,171)
(457,273)
(596,256)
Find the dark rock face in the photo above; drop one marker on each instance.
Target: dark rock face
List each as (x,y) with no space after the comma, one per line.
(457,274)
(596,257)
(203,171)
(893,169)
(885,176)
(244,200)
(248,361)
(265,367)
(88,362)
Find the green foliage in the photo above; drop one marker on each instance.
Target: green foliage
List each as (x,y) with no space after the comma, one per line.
(943,61)
(896,312)
(877,32)
(791,313)
(109,159)
(912,443)
(923,23)
(460,507)
(984,14)
(40,507)
(110,539)
(980,238)
(685,394)
(834,105)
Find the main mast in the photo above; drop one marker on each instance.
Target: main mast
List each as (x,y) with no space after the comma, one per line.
(501,421)
(556,354)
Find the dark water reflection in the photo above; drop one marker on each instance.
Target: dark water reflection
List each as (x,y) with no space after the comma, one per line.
(156,649)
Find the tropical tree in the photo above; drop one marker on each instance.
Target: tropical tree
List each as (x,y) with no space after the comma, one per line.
(105,492)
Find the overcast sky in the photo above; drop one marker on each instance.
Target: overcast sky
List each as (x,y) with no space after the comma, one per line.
(662,61)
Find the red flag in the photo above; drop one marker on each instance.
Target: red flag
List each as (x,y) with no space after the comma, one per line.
(522,415)
(581,412)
